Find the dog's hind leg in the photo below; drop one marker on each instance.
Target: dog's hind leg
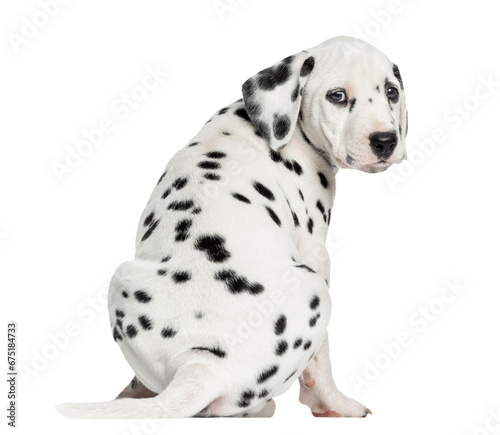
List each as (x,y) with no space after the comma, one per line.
(136,390)
(193,387)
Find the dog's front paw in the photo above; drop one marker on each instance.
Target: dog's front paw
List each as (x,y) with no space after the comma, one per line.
(324,402)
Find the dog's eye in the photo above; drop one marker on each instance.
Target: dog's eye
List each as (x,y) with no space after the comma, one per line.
(337,96)
(392,94)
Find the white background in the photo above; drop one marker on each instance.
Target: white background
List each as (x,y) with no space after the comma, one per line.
(395,242)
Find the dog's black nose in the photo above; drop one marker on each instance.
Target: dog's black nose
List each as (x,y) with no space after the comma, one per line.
(383,144)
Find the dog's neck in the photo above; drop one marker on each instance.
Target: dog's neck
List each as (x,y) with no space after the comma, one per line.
(322,152)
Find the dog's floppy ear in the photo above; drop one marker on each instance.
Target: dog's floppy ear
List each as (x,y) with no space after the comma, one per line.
(273,96)
(403,114)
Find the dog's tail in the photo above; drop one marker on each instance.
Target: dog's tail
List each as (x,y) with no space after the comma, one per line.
(193,388)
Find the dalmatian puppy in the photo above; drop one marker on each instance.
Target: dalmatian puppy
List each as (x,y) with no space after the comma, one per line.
(226,303)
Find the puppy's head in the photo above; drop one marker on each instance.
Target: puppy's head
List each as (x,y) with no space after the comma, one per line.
(346,96)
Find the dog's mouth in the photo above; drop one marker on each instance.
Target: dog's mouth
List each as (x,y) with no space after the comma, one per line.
(373,166)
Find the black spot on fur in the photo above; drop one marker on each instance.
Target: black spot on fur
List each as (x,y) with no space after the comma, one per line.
(193,144)
(119,313)
(323,179)
(149,219)
(142,296)
(281,126)
(182,230)
(131,331)
(219,353)
(275,156)
(269,78)
(397,74)
(307,344)
(245,398)
(377,88)
(320,206)
(352,103)
(301,195)
(237,284)
(211,176)
(280,325)
(179,183)
(263,190)
(133,383)
(161,178)
(180,205)
(281,347)
(242,113)
(297,168)
(150,230)
(199,315)
(297,343)
(263,393)
(125,294)
(289,376)
(213,246)
(116,334)
(165,259)
(273,216)
(307,67)
(223,110)
(267,374)
(146,322)
(303,266)
(207,164)
(181,276)
(310,225)
(196,210)
(168,332)
(161,272)
(313,320)
(166,193)
(249,89)
(314,302)
(215,155)
(288,164)
(295,219)
(241,198)
(295,93)
(263,129)
(226,133)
